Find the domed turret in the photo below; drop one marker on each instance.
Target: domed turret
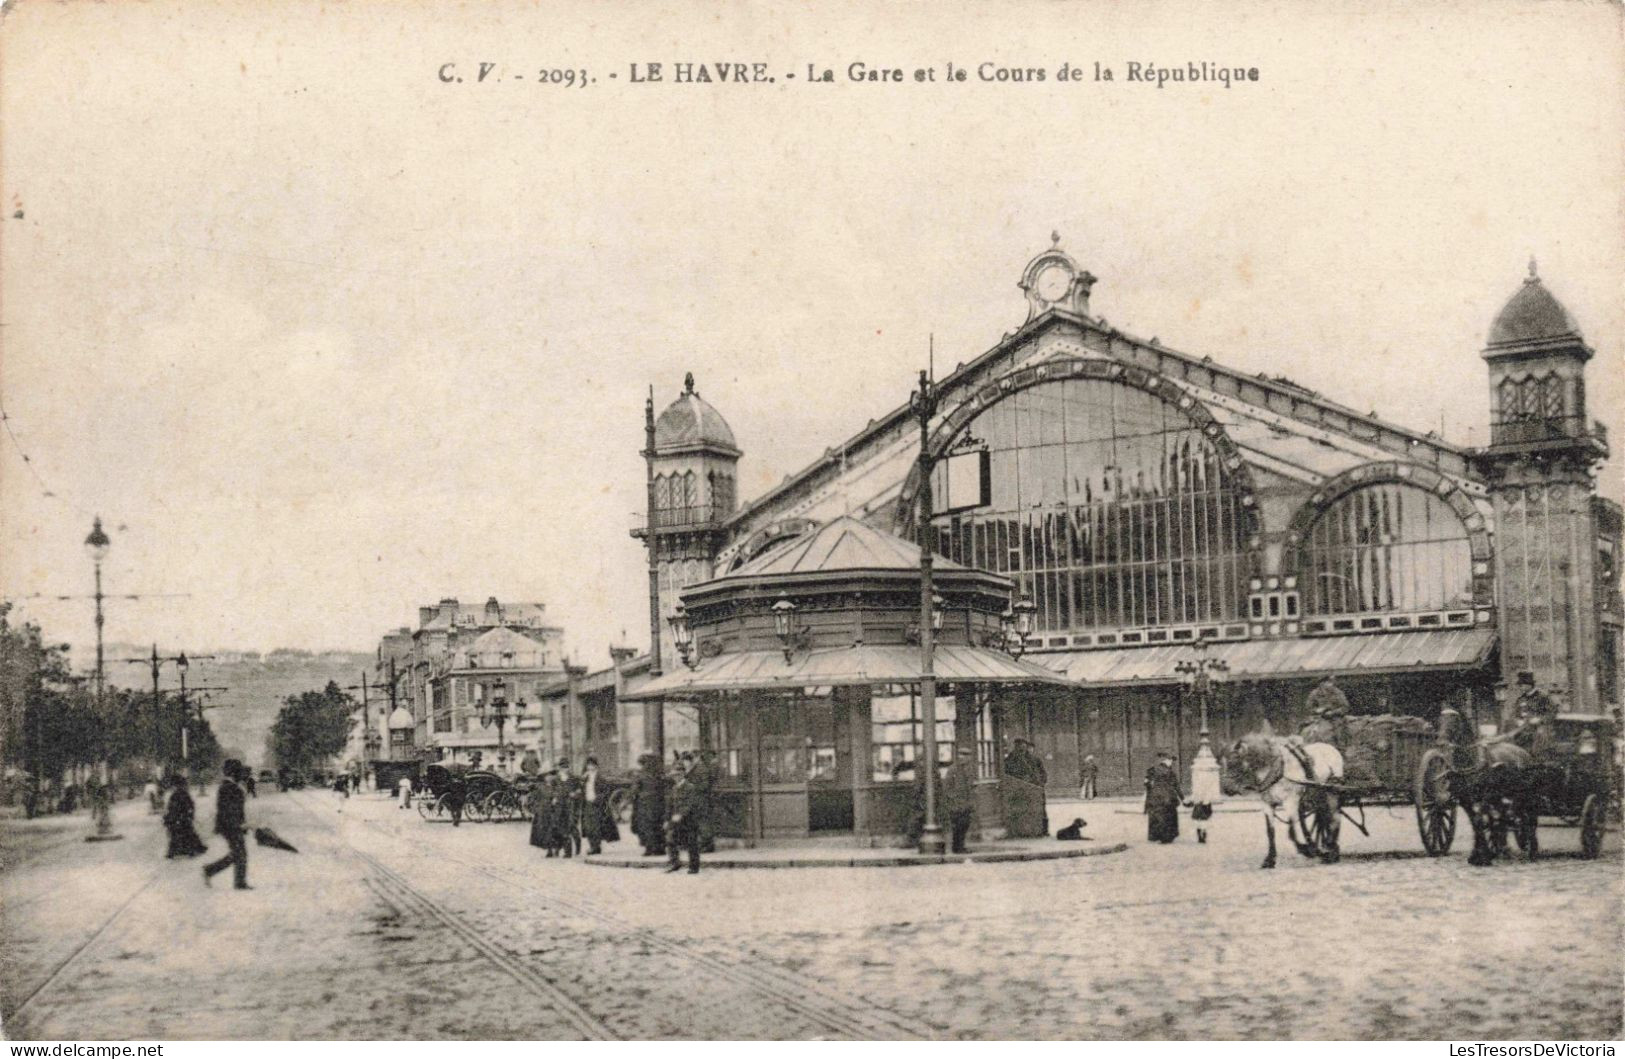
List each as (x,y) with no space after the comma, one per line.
(690,423)
(1532,317)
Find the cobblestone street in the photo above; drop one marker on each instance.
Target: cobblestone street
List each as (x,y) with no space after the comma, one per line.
(385,926)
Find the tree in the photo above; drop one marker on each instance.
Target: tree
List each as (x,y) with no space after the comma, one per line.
(311,727)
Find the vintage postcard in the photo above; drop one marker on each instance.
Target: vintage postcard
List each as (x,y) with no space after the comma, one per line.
(676,521)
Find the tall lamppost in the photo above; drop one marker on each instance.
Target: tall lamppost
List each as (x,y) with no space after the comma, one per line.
(923,403)
(1199,674)
(98,545)
(496,712)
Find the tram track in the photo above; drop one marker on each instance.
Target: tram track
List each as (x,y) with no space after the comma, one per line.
(395,890)
(80,953)
(822,1007)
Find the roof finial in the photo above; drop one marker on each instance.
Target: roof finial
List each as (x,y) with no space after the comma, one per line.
(688,382)
(1533,275)
(1054,238)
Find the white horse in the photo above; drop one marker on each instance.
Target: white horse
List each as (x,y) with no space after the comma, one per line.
(1283,772)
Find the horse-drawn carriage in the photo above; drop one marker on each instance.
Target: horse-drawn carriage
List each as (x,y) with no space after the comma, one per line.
(491,797)
(487,796)
(1562,768)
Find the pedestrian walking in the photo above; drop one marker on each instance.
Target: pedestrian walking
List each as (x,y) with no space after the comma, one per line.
(649,806)
(155,804)
(456,796)
(1162,798)
(686,810)
(231,824)
(404,789)
(180,820)
(959,796)
(1090,773)
(248,782)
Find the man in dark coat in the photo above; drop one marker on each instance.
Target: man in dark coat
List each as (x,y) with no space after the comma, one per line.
(597,820)
(180,822)
(456,795)
(704,776)
(231,824)
(1162,798)
(959,796)
(687,808)
(649,806)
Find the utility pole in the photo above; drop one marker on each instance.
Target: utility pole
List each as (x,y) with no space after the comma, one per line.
(186,715)
(923,402)
(655,715)
(155,663)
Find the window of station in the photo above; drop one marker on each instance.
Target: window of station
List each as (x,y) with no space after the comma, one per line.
(1387,547)
(896,735)
(1109,507)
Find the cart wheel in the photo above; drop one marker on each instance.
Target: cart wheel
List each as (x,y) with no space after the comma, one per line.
(477,810)
(1435,807)
(1591,827)
(430,808)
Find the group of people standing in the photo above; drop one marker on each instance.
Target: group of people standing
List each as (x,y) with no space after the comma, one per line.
(567,811)
(671,812)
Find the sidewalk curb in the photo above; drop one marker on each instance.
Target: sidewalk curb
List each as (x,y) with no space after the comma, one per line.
(900,861)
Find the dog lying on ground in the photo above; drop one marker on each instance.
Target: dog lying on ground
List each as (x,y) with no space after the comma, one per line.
(1073,832)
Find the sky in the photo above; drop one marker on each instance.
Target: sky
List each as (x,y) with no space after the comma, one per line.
(323,337)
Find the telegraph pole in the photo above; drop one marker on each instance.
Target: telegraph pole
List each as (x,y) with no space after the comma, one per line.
(924,404)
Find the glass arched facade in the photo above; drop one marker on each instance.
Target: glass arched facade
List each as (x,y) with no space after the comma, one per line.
(1386,547)
(1110,508)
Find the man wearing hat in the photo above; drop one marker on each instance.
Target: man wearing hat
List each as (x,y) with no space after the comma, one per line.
(1162,798)
(959,796)
(1531,713)
(687,809)
(231,824)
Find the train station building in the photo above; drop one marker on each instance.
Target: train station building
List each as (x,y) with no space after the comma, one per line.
(1142,500)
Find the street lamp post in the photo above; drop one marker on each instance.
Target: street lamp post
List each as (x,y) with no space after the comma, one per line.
(923,403)
(1199,674)
(98,545)
(497,712)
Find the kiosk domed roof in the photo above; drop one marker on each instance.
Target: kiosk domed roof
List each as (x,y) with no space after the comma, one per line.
(1532,315)
(690,422)
(844,543)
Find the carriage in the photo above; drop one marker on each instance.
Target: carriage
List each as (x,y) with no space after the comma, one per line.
(487,795)
(492,797)
(1571,783)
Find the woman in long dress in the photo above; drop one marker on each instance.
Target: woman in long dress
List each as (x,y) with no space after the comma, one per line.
(541,820)
(1162,798)
(179,821)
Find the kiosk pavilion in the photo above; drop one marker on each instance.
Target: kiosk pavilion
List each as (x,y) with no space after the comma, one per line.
(1143,500)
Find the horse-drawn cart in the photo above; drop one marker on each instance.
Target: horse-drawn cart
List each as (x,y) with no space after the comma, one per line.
(1383,759)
